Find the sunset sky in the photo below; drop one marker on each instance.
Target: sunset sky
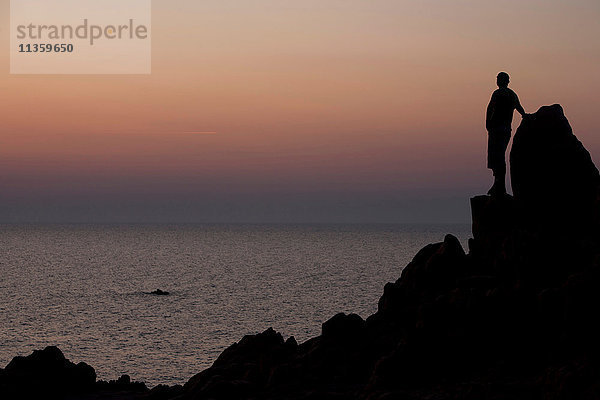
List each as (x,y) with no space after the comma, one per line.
(304,111)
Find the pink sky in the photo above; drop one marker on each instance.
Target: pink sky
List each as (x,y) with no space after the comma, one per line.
(374,106)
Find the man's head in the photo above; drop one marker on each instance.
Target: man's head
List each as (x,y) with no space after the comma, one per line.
(502,79)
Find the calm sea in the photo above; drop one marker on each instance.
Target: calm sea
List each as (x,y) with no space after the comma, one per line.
(84,287)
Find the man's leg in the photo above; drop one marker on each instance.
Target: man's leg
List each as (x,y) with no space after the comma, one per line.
(499,187)
(497,145)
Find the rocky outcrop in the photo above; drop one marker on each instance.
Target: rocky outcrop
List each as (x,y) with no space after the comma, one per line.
(514,318)
(45,372)
(244,369)
(552,174)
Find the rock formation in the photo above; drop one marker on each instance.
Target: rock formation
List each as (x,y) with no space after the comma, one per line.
(514,318)
(552,174)
(159,292)
(45,372)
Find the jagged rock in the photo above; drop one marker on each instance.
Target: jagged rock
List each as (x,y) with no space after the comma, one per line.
(253,347)
(45,371)
(436,267)
(243,369)
(552,173)
(159,292)
(343,327)
(291,342)
(124,380)
(124,386)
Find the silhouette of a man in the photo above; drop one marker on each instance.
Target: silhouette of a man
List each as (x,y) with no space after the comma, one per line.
(498,124)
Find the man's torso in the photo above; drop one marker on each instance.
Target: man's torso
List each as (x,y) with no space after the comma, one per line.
(505,101)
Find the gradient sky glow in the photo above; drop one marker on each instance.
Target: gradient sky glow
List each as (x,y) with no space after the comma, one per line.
(307,111)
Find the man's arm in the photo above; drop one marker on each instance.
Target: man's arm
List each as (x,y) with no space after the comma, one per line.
(519,107)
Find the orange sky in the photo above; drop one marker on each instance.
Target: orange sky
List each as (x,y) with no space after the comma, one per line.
(328,101)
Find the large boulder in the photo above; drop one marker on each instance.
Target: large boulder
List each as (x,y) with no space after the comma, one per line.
(552,173)
(342,327)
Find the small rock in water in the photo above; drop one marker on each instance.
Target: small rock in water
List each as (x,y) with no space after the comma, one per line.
(159,292)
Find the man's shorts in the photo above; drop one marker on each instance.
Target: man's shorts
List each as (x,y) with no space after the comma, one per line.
(497,143)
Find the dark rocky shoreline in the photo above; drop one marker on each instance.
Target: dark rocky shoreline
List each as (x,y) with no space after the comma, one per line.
(514,318)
